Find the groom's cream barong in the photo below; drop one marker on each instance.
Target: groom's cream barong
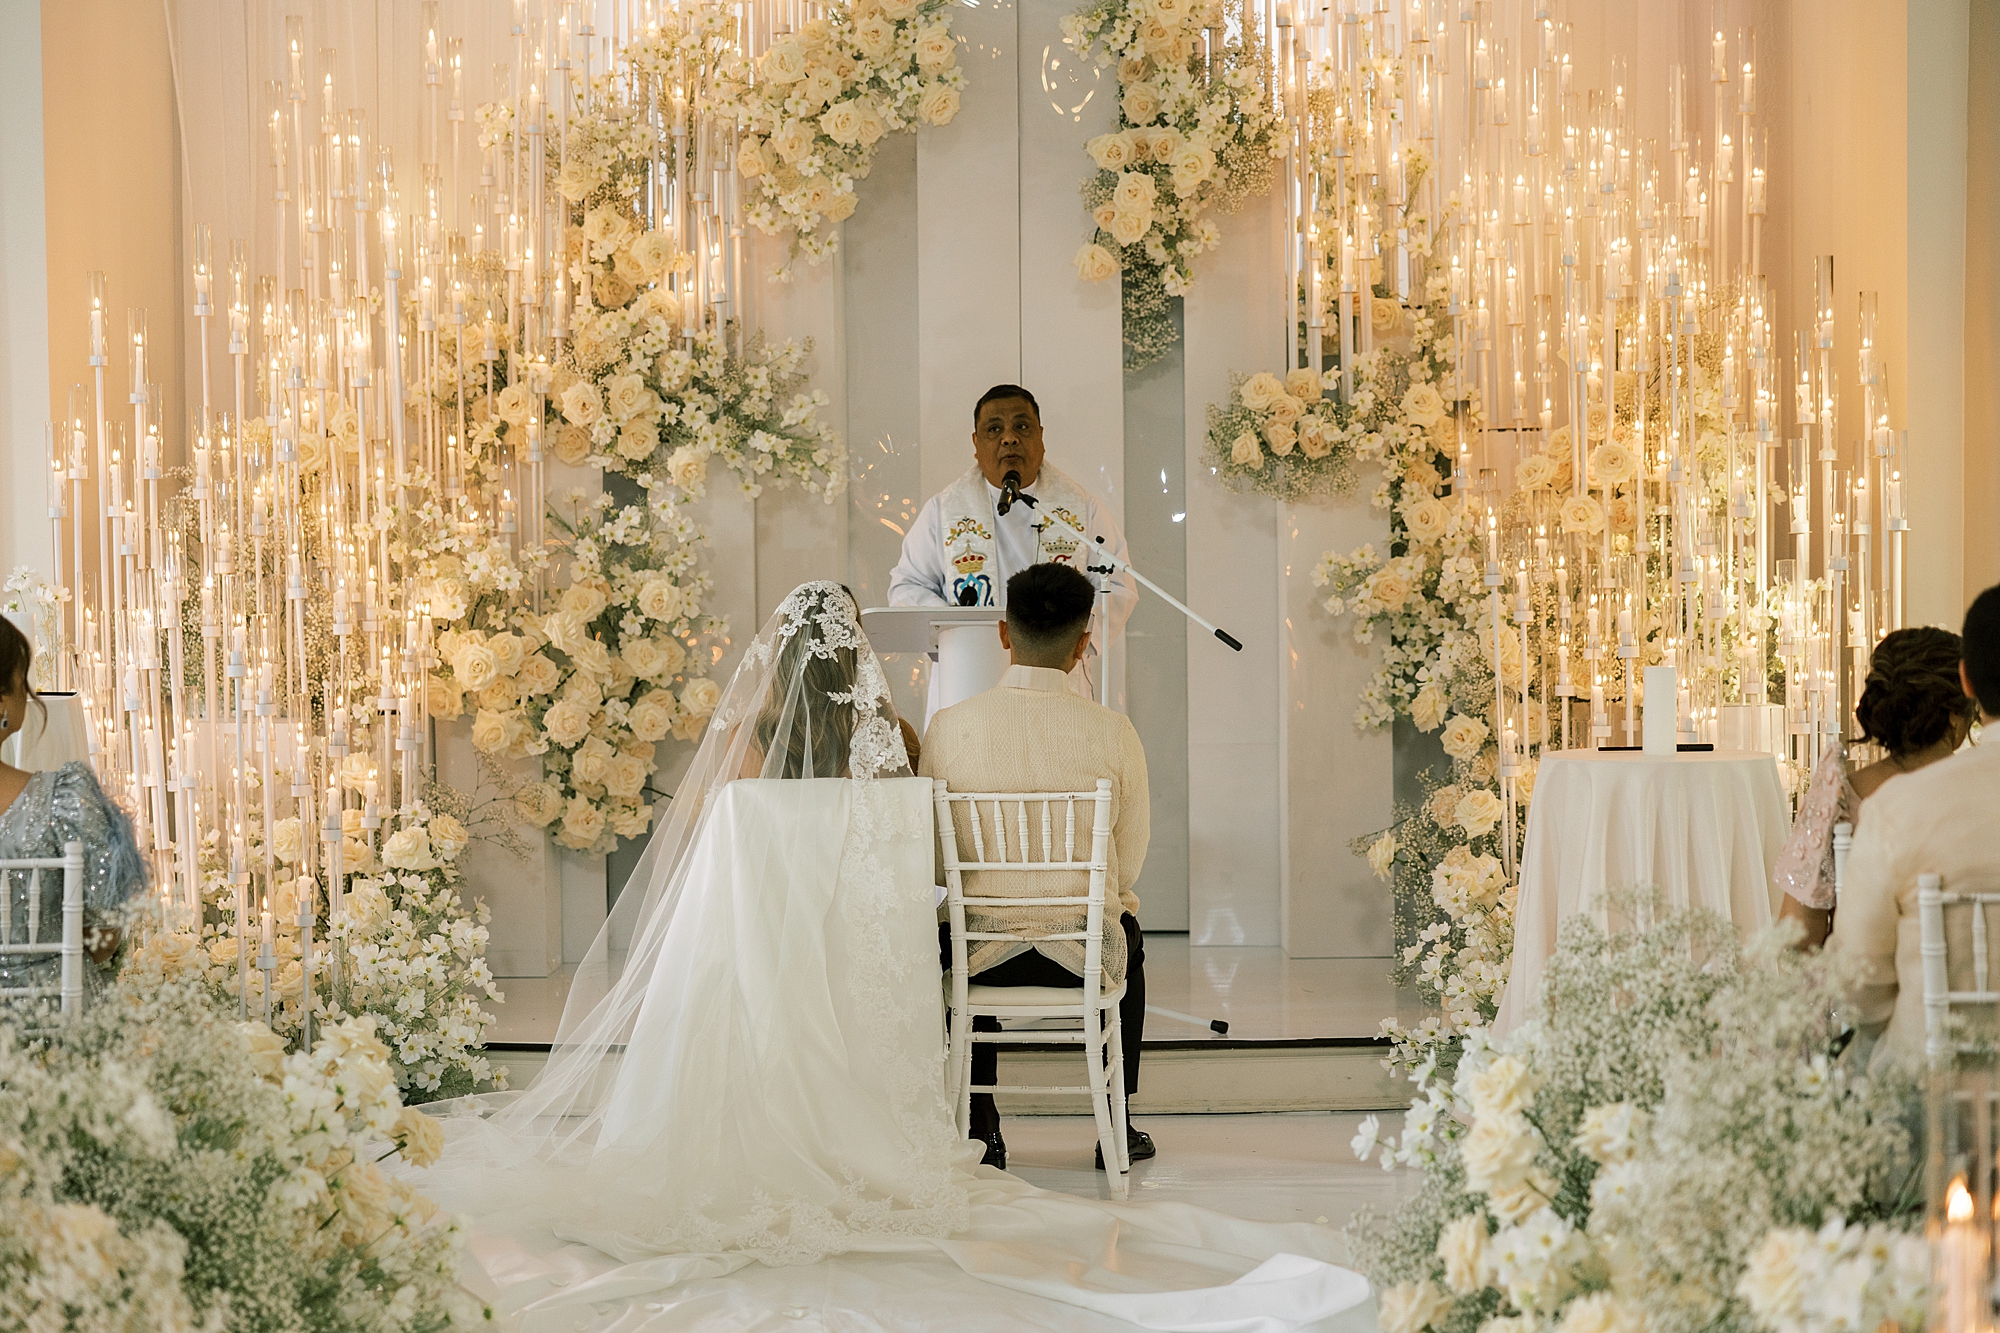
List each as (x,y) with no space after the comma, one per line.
(1031,734)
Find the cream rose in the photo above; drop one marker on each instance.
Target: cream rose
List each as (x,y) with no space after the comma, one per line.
(654,253)
(1534,472)
(1410,1307)
(585,599)
(700,697)
(563,629)
(1129,228)
(842,122)
(792,141)
(1246,450)
(1111,152)
(572,445)
(577,179)
(267,1048)
(1095,263)
(1134,193)
(287,840)
(899,10)
(872,128)
(1612,463)
(1279,437)
(538,803)
(583,824)
(1303,384)
(1463,736)
(819,86)
(1427,710)
(1582,514)
(580,404)
(662,599)
(1477,812)
(507,650)
(874,35)
(420,1137)
(475,665)
(689,469)
(1261,390)
(1426,519)
(937,49)
(785,61)
(1423,404)
(1462,1248)
(593,657)
(1382,855)
(448,837)
(750,159)
(493,731)
(566,722)
(537,675)
(408,849)
(1191,166)
(1385,317)
(642,657)
(1287,409)
(1316,438)
(625,776)
(652,716)
(938,104)
(591,762)
(626,397)
(1141,103)
(1389,587)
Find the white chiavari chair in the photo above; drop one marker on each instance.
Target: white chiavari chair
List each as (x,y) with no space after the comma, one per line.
(1036,832)
(24,938)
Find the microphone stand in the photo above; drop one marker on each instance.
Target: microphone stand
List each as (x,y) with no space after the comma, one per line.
(1114,564)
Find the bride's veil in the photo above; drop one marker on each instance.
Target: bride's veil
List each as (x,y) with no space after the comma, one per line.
(810,700)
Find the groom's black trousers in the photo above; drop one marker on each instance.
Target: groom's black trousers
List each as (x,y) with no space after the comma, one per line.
(1033,968)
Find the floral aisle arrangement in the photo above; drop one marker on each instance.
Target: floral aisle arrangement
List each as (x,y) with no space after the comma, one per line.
(825,96)
(400,950)
(163,1168)
(1281,437)
(1196,134)
(1645,1156)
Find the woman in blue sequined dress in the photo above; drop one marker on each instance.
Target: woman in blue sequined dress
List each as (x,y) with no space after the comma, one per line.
(39,813)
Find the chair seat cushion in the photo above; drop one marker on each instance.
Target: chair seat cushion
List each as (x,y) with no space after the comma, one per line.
(1024,996)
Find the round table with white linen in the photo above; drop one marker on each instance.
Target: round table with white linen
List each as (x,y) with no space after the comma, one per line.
(1703,827)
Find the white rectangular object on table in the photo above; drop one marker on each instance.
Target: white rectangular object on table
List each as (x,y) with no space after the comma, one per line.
(1661,735)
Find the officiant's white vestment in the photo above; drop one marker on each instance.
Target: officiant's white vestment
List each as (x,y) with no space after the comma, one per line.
(962,543)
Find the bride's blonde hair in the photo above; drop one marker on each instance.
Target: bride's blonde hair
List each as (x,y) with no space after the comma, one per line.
(818,723)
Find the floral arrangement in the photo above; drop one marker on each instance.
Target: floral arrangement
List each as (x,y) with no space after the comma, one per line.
(1196,133)
(402,952)
(1280,438)
(825,96)
(1839,1278)
(1616,1164)
(163,1168)
(28,594)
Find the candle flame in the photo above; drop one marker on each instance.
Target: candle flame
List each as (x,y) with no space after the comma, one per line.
(1958,1201)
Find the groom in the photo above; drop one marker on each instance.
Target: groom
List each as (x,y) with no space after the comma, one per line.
(1031,734)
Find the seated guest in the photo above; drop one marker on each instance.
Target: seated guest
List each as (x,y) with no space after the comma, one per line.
(39,813)
(1914,708)
(1030,733)
(1937,822)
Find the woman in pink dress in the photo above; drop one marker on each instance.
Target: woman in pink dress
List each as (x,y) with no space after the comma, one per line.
(1914,708)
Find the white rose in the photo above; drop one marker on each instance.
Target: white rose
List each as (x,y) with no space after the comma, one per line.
(1427,710)
(1191,166)
(572,445)
(842,122)
(1389,587)
(408,849)
(1603,1312)
(1286,408)
(1462,1247)
(750,158)
(1463,736)
(1499,1153)
(662,599)
(1279,436)
(594,658)
(267,1048)
(785,61)
(566,722)
(1612,463)
(1504,1087)
(818,87)
(1142,103)
(287,840)
(937,49)
(875,35)
(585,600)
(420,1137)
(938,104)
(1315,437)
(1610,1133)
(538,803)
(1774,1281)
(899,9)
(1129,228)
(1382,855)
(626,396)
(1582,514)
(591,762)
(474,664)
(564,630)
(642,657)
(494,731)
(1409,1307)
(537,675)
(580,404)
(652,715)
(688,468)
(1477,812)
(700,697)
(1426,519)
(448,837)
(1260,391)
(1423,404)
(1111,152)
(1246,450)
(654,252)
(1135,193)
(1303,383)
(625,776)
(1534,472)
(792,141)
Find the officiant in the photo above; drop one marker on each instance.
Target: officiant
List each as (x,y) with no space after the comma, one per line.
(1001,517)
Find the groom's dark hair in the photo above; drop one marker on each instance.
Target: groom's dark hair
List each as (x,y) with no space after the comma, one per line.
(1048,609)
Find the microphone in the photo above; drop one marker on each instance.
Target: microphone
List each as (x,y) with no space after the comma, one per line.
(968,597)
(1010,491)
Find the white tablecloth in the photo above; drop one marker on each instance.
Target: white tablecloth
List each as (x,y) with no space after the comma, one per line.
(1704,828)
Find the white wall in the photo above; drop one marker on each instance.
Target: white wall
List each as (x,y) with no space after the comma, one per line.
(24,295)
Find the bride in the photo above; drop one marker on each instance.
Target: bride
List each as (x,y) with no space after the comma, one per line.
(750,1071)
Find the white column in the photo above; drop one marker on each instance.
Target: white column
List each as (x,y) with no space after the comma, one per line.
(24,296)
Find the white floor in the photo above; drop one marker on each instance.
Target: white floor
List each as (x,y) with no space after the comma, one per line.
(1259,992)
(1292,1167)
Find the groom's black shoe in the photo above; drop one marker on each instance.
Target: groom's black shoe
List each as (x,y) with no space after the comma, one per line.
(1138,1146)
(996,1149)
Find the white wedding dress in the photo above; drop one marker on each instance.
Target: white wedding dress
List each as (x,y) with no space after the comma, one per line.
(744,1123)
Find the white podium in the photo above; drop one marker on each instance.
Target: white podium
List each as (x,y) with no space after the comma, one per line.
(964,641)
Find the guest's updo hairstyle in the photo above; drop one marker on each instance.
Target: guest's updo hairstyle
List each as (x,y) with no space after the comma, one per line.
(1913,698)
